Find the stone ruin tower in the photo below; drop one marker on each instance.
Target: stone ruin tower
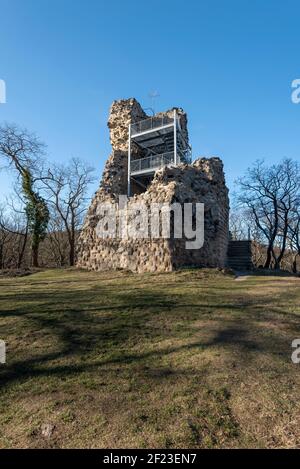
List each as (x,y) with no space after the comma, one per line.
(151,163)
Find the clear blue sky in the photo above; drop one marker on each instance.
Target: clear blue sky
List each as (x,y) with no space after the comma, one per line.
(229,64)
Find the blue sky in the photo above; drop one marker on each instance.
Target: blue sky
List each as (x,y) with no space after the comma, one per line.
(229,64)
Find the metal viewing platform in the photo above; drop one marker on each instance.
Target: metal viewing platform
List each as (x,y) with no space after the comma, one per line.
(160,142)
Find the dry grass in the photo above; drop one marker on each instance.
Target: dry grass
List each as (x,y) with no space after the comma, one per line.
(186,359)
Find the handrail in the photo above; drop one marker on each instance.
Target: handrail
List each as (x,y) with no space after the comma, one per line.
(151,162)
(150,124)
(157,161)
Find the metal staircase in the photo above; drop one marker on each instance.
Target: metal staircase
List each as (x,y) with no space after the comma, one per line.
(161,142)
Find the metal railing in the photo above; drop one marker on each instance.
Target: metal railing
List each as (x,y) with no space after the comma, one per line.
(151,162)
(158,161)
(184,156)
(150,124)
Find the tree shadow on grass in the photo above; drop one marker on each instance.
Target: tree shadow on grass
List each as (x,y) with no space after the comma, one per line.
(86,328)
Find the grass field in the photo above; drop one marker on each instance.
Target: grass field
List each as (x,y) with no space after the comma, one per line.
(193,358)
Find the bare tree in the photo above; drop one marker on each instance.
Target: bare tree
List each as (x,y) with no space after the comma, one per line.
(66,190)
(258,192)
(22,151)
(58,240)
(240,223)
(294,236)
(270,194)
(14,237)
(5,238)
(288,175)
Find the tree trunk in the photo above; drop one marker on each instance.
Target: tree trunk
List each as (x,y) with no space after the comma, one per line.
(72,252)
(72,243)
(294,264)
(21,254)
(35,256)
(269,258)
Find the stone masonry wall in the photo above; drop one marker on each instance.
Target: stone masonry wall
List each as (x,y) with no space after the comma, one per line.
(203,181)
